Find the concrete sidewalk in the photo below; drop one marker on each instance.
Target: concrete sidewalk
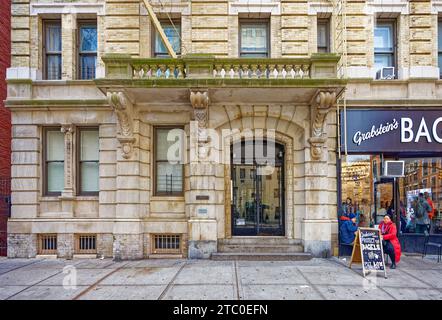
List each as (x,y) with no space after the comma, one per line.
(40,279)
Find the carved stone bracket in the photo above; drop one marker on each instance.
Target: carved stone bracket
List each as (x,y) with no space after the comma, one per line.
(124,110)
(200,104)
(321,106)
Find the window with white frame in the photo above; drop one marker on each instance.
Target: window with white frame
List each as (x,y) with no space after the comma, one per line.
(52,49)
(385,45)
(54,161)
(87,49)
(88,161)
(254,39)
(172,29)
(169,169)
(323,29)
(439,46)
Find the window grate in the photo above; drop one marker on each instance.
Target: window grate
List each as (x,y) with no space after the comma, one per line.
(86,244)
(47,244)
(166,243)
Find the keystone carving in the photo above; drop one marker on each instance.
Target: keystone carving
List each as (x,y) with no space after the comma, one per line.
(200,103)
(123,108)
(321,106)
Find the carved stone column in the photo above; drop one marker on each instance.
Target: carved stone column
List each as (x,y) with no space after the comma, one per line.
(68,130)
(321,106)
(68,194)
(123,108)
(201,193)
(320,186)
(127,227)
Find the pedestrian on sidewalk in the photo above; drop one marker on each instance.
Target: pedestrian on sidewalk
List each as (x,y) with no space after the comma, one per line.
(390,242)
(422,212)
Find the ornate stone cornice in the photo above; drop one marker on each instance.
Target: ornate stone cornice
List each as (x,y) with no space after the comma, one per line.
(123,108)
(321,106)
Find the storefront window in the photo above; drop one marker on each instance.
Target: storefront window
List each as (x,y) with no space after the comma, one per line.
(370,195)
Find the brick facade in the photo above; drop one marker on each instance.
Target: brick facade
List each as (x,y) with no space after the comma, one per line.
(5,121)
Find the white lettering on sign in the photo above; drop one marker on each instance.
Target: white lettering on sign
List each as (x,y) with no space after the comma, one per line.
(406,125)
(422,131)
(435,135)
(359,136)
(407,133)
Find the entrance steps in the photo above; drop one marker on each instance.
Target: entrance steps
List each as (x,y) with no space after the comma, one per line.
(260,248)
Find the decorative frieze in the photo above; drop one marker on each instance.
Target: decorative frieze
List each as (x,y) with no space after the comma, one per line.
(123,108)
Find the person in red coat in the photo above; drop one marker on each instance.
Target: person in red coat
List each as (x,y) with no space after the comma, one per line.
(390,242)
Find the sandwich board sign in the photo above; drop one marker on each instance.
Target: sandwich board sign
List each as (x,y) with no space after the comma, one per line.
(368,251)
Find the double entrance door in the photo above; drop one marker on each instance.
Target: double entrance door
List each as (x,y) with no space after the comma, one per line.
(257,188)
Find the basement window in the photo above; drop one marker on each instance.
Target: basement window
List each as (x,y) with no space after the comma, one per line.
(166,243)
(86,244)
(47,244)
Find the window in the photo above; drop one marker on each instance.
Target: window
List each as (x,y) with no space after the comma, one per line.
(384,45)
(47,244)
(88,157)
(54,161)
(86,244)
(323,35)
(254,39)
(52,50)
(87,49)
(368,197)
(169,144)
(424,168)
(439,46)
(166,243)
(173,34)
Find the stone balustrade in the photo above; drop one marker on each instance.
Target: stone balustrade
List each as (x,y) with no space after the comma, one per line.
(209,67)
(262,68)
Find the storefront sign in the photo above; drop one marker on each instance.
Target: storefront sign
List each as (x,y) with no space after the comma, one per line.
(368,251)
(383,131)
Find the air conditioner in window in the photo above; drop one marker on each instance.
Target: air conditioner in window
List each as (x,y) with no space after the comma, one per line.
(394,169)
(385,73)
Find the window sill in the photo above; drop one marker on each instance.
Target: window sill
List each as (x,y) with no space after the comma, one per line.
(75,198)
(167,198)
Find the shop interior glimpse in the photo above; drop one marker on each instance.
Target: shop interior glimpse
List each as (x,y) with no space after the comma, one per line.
(369,195)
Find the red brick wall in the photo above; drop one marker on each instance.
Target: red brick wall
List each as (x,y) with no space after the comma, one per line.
(5,118)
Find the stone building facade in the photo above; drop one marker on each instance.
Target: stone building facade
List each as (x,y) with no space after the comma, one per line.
(288,92)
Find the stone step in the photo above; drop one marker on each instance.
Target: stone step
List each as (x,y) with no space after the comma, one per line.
(223,256)
(260,248)
(259,241)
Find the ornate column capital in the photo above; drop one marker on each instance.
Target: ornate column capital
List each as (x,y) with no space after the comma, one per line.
(123,108)
(321,104)
(199,99)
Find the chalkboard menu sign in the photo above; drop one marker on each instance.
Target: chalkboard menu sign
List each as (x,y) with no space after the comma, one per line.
(368,251)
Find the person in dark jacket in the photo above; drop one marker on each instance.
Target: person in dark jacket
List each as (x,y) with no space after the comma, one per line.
(348,229)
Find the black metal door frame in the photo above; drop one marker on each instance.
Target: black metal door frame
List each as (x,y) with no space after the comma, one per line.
(238,231)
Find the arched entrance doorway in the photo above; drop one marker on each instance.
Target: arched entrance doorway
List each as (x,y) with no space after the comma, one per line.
(257,186)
